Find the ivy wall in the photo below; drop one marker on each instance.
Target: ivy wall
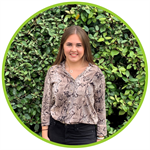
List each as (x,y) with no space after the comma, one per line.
(114,48)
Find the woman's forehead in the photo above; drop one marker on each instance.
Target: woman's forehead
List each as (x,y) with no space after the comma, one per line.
(74,38)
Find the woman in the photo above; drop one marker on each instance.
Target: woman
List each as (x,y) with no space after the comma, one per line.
(73,105)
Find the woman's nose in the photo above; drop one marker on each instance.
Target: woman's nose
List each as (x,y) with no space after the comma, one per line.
(73,48)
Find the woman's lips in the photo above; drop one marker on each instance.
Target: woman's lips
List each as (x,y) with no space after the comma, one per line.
(73,55)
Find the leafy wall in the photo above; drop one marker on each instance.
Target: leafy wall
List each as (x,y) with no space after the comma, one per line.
(114,48)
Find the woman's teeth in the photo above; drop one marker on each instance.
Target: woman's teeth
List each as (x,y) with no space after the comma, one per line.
(73,54)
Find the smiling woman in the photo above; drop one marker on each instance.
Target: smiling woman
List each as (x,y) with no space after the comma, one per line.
(73,106)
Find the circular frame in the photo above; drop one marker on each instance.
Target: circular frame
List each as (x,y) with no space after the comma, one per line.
(3,70)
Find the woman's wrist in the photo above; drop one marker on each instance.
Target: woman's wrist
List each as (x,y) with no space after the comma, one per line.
(100,137)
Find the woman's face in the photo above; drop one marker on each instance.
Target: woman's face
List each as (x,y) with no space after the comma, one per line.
(73,49)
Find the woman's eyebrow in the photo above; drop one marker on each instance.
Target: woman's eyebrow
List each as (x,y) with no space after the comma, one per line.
(71,43)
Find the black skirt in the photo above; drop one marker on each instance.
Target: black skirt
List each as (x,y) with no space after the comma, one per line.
(71,134)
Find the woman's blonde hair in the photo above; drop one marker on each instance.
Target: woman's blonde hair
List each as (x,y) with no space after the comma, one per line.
(85,41)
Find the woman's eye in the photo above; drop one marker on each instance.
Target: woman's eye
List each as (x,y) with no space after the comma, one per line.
(69,44)
(79,45)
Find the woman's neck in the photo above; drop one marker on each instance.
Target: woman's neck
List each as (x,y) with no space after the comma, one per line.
(76,65)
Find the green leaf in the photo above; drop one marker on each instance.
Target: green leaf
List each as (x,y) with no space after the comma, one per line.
(108,82)
(24,101)
(108,38)
(24,108)
(111,97)
(97,28)
(34,113)
(114,69)
(110,111)
(113,40)
(121,112)
(100,11)
(131,97)
(48,50)
(133,79)
(24,43)
(115,19)
(115,104)
(61,26)
(114,52)
(142,65)
(131,54)
(86,28)
(102,19)
(127,73)
(100,40)
(107,43)
(101,60)
(125,79)
(67,17)
(36,127)
(129,66)
(89,21)
(129,103)
(90,15)
(27,116)
(104,34)
(96,56)
(57,11)
(29,96)
(102,29)
(88,11)
(125,108)
(19,105)
(119,74)
(111,86)
(127,92)
(68,12)
(46,62)
(83,17)
(38,21)
(94,20)
(124,41)
(91,36)
(14,91)
(122,69)
(6,73)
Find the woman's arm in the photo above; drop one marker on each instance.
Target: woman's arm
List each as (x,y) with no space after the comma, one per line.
(99,97)
(46,106)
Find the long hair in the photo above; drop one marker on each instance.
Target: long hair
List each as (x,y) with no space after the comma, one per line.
(84,39)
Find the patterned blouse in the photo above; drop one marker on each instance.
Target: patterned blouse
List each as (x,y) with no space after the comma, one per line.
(73,101)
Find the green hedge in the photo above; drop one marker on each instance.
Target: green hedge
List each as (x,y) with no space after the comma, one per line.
(114,48)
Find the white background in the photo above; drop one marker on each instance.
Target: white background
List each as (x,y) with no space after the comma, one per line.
(136,136)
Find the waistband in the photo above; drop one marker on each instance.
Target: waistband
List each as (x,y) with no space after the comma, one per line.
(53,121)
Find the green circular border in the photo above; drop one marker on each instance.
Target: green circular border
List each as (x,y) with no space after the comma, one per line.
(3,69)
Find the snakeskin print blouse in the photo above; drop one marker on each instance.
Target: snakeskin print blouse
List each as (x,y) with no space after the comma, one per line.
(72,101)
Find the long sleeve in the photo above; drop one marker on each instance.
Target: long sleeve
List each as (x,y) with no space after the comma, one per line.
(46,101)
(99,96)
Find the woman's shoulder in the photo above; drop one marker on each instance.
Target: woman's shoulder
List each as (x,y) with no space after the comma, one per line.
(96,68)
(55,68)
(97,73)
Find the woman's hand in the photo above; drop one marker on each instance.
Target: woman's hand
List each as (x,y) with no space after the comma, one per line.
(98,140)
(46,138)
